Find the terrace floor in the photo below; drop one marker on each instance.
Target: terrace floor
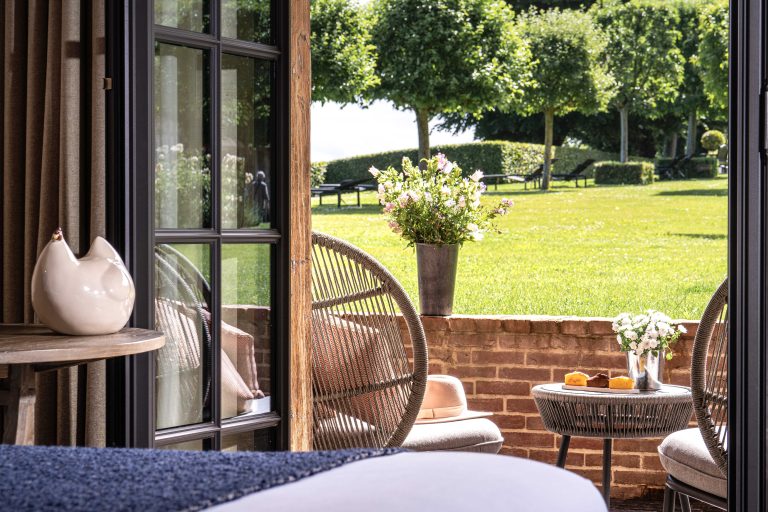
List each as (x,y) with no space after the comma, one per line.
(653,501)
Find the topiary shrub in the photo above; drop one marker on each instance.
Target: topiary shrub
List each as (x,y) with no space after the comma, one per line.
(701,167)
(629,173)
(317,173)
(712,140)
(491,157)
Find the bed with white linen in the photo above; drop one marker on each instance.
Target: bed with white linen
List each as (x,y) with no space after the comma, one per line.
(423,482)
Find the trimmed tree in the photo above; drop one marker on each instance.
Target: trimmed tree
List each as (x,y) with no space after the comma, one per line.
(452,56)
(713,53)
(569,74)
(343,57)
(642,55)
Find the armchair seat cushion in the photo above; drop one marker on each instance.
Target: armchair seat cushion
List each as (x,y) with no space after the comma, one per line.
(686,458)
(475,435)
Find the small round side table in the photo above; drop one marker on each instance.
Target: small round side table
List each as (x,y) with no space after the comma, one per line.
(611,416)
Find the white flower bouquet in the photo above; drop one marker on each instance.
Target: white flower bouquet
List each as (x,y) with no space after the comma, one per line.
(436,204)
(652,332)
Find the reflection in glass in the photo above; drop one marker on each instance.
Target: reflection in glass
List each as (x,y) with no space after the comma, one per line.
(192,446)
(246,169)
(182,313)
(182,154)
(245,329)
(247,20)
(258,441)
(185,14)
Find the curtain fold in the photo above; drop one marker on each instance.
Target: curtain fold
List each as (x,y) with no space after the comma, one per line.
(53,173)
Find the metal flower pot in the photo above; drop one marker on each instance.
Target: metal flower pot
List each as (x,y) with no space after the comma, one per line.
(436,265)
(646,369)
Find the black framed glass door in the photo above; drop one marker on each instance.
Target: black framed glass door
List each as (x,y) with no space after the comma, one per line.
(206,185)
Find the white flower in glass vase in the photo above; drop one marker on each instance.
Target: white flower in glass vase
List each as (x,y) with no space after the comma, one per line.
(652,332)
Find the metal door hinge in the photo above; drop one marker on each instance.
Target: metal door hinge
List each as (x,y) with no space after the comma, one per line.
(107,84)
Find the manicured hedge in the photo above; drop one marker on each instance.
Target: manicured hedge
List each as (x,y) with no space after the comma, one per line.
(491,157)
(629,173)
(696,167)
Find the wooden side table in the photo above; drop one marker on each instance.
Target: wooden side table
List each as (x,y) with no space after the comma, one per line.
(28,349)
(611,416)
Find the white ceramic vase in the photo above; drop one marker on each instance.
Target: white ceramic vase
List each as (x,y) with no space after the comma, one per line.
(89,296)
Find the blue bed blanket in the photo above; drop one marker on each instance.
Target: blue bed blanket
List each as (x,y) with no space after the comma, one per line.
(80,479)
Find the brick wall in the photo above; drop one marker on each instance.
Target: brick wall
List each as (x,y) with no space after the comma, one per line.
(500,358)
(255,320)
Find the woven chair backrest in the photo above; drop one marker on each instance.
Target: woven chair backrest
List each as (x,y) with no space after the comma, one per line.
(181,315)
(369,352)
(709,376)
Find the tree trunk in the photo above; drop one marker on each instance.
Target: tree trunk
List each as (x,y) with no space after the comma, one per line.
(422,123)
(690,144)
(624,121)
(672,151)
(549,121)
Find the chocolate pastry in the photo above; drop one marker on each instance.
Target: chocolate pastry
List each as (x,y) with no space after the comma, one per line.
(598,381)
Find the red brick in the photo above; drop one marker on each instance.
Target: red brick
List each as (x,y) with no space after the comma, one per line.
(636,445)
(596,475)
(577,327)
(462,324)
(501,387)
(623,476)
(497,357)
(473,340)
(550,457)
(514,452)
(588,443)
(606,361)
(551,359)
(469,388)
(532,375)
(529,439)
(462,356)
(545,326)
(509,421)
(516,325)
(652,462)
(526,341)
(534,423)
(436,369)
(434,323)
(600,326)
(488,325)
(486,404)
(521,405)
(463,372)
(627,461)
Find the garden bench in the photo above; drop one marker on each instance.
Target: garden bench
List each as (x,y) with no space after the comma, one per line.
(344,187)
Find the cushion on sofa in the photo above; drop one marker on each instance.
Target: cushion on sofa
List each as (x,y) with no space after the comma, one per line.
(475,435)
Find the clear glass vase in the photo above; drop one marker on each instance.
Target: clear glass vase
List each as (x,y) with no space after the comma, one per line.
(646,369)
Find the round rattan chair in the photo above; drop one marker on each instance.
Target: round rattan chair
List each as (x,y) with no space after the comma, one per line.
(369,372)
(696,460)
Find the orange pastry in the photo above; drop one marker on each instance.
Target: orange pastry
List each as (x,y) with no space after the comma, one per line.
(621,383)
(576,379)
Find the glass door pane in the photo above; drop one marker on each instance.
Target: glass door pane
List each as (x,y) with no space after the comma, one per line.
(246,167)
(245,329)
(182,137)
(248,20)
(182,313)
(185,14)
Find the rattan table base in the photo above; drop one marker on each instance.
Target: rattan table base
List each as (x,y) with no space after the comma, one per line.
(611,416)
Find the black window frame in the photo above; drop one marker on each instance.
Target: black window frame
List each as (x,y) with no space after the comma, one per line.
(130,153)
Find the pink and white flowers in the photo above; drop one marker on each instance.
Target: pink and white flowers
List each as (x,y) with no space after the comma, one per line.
(436,204)
(651,332)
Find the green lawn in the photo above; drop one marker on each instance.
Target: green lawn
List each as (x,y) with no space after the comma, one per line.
(593,252)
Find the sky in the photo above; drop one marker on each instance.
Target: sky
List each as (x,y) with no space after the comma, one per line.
(347,130)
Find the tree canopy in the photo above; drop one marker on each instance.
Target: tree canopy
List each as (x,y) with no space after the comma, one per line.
(642,54)
(460,56)
(343,57)
(568,74)
(713,53)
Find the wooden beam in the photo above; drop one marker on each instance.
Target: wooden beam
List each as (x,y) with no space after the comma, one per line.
(300,98)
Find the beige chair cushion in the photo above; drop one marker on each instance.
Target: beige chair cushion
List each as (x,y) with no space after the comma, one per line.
(238,345)
(475,435)
(686,458)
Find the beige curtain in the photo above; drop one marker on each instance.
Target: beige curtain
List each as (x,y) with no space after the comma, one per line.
(53,175)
